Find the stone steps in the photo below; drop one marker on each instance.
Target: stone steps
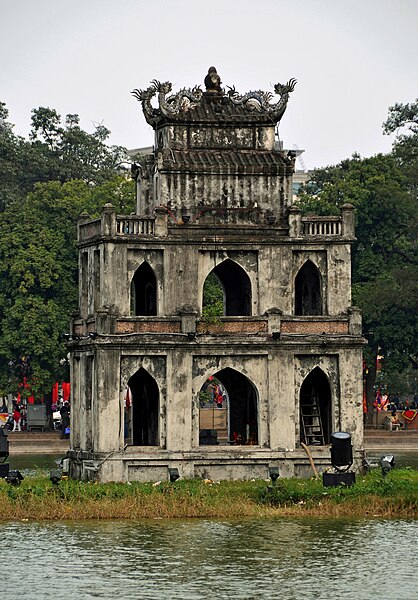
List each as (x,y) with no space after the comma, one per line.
(379,438)
(37,442)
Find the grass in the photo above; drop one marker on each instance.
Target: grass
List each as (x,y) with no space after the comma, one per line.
(36,498)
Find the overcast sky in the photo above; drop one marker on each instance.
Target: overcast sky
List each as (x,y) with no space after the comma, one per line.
(352,59)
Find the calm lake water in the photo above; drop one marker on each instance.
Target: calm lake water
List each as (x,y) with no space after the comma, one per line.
(288,559)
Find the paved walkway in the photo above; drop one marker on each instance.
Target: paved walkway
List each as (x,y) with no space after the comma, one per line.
(49,442)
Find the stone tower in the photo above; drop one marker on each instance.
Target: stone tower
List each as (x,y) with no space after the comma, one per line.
(156,384)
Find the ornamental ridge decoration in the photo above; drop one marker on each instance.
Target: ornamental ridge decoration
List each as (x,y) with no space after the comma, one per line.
(175,105)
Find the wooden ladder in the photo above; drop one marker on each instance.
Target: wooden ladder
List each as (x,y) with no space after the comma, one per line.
(311,422)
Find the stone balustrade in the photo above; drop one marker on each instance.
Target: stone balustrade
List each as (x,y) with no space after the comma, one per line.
(324,226)
(135,225)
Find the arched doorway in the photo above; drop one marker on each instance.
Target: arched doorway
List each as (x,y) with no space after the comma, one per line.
(232,420)
(308,295)
(235,285)
(143,429)
(144,292)
(315,409)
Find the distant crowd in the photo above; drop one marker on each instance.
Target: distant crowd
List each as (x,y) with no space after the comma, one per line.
(386,402)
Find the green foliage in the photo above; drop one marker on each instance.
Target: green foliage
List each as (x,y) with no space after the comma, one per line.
(36,498)
(205,397)
(56,151)
(287,492)
(385,281)
(213,298)
(45,183)
(39,271)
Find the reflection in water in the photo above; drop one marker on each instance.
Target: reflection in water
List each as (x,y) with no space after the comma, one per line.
(277,558)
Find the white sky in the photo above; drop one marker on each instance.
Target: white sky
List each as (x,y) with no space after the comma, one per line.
(352,59)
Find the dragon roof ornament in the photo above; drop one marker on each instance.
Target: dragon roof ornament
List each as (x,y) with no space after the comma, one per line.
(175,106)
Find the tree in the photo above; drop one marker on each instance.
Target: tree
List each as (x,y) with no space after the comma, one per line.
(72,152)
(213,298)
(39,273)
(403,120)
(45,183)
(56,151)
(385,282)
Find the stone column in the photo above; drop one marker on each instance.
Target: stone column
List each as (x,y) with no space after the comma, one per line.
(188,320)
(348,213)
(295,222)
(354,324)
(161,228)
(274,320)
(108,220)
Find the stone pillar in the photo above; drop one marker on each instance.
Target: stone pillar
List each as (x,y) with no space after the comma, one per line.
(354,324)
(136,173)
(295,222)
(274,320)
(188,320)
(107,425)
(104,321)
(179,401)
(348,213)
(108,220)
(161,228)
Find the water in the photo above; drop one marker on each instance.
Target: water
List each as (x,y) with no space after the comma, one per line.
(288,559)
(243,559)
(31,465)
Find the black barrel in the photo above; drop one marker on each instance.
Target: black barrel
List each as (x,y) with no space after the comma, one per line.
(341,449)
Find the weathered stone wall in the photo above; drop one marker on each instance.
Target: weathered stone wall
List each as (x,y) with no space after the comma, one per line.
(215,189)
(182,267)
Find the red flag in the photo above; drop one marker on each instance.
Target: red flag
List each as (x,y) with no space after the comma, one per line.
(65,391)
(55,393)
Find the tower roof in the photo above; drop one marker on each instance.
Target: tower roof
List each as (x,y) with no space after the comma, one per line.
(213,105)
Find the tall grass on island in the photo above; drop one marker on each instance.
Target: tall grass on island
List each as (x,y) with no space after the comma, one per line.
(395,495)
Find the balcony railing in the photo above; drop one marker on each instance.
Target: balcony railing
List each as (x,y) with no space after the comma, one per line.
(90,229)
(323,226)
(134,225)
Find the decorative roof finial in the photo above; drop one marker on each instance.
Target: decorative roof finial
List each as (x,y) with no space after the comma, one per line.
(213,82)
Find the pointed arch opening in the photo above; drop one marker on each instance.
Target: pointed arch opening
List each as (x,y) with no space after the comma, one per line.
(142,418)
(315,409)
(228,285)
(144,292)
(308,294)
(228,413)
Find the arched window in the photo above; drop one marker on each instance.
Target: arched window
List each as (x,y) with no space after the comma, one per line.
(142,410)
(144,292)
(234,284)
(228,410)
(315,409)
(308,296)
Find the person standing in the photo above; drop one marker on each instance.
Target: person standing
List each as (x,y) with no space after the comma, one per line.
(16,419)
(65,420)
